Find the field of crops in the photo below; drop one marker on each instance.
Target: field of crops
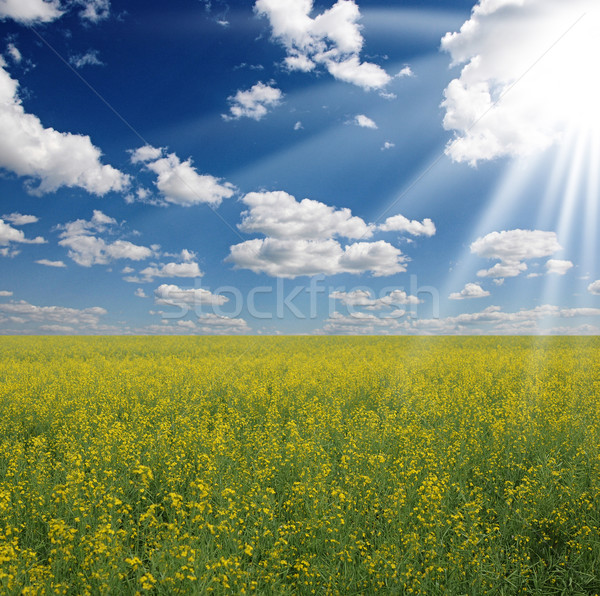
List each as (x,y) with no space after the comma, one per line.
(299,465)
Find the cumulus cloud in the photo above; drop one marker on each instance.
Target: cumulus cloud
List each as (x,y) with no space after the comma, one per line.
(332,39)
(5,293)
(399,223)
(302,239)
(292,258)
(502,270)
(87,249)
(253,103)
(363,299)
(178,182)
(471,290)
(279,215)
(8,234)
(512,248)
(54,158)
(19,219)
(387,145)
(187,269)
(594,287)
(30,11)
(172,295)
(48,263)
(364,121)
(518,92)
(558,267)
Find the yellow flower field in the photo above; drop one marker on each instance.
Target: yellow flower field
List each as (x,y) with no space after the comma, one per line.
(299,465)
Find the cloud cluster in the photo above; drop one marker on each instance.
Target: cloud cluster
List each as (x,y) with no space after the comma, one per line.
(54,158)
(44,11)
(86,248)
(492,320)
(178,182)
(279,215)
(207,324)
(54,319)
(332,39)
(363,299)
(253,103)
(302,238)
(517,92)
(513,247)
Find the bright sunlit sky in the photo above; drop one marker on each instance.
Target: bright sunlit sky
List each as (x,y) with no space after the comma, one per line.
(284,166)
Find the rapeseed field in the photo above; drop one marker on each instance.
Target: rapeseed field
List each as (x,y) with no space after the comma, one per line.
(299,465)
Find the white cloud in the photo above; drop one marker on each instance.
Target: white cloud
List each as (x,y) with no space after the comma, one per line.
(387,145)
(187,269)
(363,298)
(511,248)
(364,121)
(19,219)
(48,263)
(5,293)
(30,11)
(298,125)
(172,295)
(518,92)
(94,10)
(179,182)
(332,39)
(56,159)
(594,287)
(516,245)
(140,293)
(470,290)
(253,103)
(146,154)
(206,324)
(14,53)
(399,223)
(86,249)
(9,234)
(87,319)
(405,72)
(558,267)
(359,324)
(292,258)
(279,215)
(502,270)
(301,240)
(90,58)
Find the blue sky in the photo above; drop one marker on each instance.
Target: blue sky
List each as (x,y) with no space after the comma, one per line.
(283,166)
